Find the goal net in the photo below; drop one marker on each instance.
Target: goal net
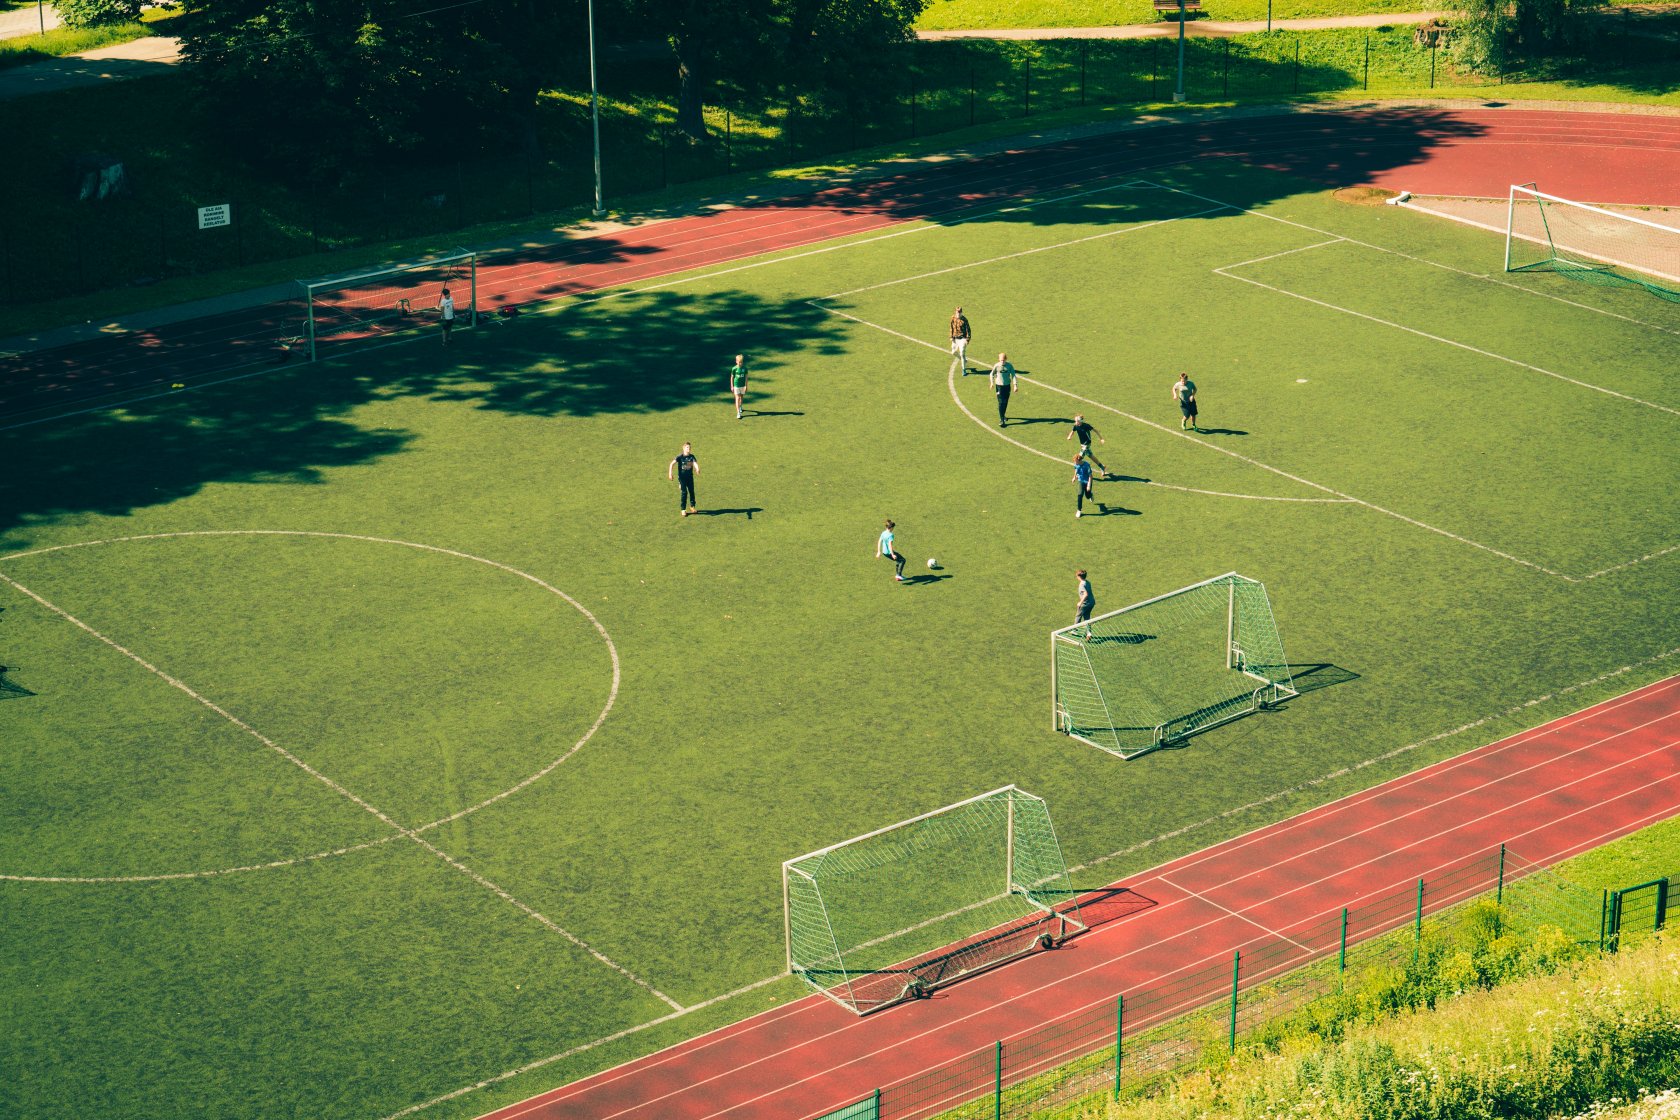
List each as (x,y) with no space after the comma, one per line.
(1134,679)
(924,902)
(1592,243)
(388,301)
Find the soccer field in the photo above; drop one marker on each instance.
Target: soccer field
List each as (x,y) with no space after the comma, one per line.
(375,728)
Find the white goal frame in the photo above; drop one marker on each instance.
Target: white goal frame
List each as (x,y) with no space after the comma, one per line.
(376,319)
(1529,192)
(1268,692)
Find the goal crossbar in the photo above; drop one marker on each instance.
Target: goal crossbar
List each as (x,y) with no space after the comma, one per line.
(385,301)
(1589,242)
(910,906)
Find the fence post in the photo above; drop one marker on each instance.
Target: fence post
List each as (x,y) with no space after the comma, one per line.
(1297,66)
(1082,73)
(1341,955)
(1603,916)
(1119,1031)
(1154,65)
(728,140)
(1367,60)
(997,1084)
(1417,924)
(664,164)
(971,92)
(1236,974)
(1225,79)
(1026,92)
(1432,65)
(875,1109)
(1662,897)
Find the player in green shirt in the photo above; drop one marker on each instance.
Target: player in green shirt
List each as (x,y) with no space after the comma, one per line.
(738,382)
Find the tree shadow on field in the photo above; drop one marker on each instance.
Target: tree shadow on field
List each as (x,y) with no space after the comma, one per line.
(290,425)
(645,351)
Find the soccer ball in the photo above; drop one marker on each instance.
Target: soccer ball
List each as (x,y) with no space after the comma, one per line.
(932,563)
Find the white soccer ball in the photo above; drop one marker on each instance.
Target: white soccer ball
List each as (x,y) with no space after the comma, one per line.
(932,563)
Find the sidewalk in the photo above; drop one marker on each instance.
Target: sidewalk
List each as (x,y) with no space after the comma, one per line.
(1191,27)
(140,58)
(27,21)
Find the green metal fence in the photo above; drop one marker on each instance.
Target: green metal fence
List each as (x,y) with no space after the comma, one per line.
(55,248)
(1132,1037)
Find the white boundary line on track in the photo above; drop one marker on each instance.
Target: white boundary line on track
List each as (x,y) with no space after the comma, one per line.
(939,1028)
(354,798)
(606,640)
(813,1002)
(1238,914)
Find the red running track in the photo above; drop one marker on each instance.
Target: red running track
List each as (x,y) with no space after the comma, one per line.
(1606,157)
(1550,792)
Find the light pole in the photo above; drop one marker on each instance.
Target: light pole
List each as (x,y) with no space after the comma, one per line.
(1178,94)
(595,111)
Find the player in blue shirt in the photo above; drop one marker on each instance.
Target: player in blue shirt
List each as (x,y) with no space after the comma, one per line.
(1082,480)
(885,549)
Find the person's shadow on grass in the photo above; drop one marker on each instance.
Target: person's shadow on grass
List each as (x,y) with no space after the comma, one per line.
(767,412)
(748,510)
(1221,432)
(927,577)
(1106,510)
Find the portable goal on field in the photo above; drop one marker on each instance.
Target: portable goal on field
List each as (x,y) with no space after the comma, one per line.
(893,914)
(1544,232)
(388,301)
(1134,679)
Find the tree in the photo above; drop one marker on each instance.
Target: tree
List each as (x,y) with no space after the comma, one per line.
(1493,34)
(97,13)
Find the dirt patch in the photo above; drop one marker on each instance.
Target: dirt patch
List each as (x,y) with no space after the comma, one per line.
(1365,196)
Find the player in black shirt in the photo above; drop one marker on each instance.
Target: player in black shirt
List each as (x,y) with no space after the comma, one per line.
(1084,431)
(684,467)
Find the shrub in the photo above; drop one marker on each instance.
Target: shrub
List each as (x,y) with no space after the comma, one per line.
(97,13)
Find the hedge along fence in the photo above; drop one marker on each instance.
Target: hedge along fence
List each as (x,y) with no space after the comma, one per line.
(1419,939)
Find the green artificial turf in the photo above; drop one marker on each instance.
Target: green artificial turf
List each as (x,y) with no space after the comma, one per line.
(776,691)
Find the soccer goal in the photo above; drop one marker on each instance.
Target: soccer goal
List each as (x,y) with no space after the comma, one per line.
(1159,671)
(1591,243)
(388,301)
(893,914)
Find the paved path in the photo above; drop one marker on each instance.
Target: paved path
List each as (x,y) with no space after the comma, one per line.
(1192,27)
(27,21)
(141,58)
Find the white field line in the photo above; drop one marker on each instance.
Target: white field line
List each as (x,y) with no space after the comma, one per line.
(1339,496)
(606,638)
(1447,341)
(808,1003)
(1342,772)
(1482,276)
(951,384)
(1631,563)
(345,793)
(1234,913)
(942,1027)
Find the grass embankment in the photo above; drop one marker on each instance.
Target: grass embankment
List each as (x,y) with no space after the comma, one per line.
(62,41)
(1607,1032)
(146,251)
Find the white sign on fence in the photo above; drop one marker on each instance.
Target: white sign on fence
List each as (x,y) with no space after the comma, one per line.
(209,217)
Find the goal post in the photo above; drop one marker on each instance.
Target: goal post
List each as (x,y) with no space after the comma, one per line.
(388,301)
(1594,244)
(1138,678)
(894,913)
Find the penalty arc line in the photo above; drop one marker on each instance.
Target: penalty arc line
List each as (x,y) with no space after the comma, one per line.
(344,792)
(951,384)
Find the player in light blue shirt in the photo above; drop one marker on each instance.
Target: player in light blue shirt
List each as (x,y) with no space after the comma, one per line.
(1081,480)
(885,549)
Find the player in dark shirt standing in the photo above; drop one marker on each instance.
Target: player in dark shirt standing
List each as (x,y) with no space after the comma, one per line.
(960,335)
(1086,602)
(1084,431)
(683,468)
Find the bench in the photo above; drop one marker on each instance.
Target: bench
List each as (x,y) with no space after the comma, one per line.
(1170,7)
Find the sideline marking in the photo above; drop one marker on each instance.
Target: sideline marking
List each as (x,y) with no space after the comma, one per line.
(951,384)
(606,639)
(1240,915)
(355,799)
(813,1001)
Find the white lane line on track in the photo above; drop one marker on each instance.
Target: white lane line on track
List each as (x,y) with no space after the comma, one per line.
(344,792)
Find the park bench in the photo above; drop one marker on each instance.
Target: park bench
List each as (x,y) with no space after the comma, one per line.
(1170,7)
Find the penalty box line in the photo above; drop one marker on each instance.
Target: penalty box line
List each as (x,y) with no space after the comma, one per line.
(1336,495)
(344,792)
